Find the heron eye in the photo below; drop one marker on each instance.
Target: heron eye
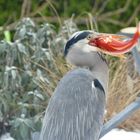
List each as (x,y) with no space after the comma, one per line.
(89,37)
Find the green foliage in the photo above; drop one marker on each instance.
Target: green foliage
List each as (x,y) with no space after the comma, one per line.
(7,35)
(9,8)
(110,15)
(28,74)
(73,7)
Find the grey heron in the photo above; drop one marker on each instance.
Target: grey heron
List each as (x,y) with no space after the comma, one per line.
(76,109)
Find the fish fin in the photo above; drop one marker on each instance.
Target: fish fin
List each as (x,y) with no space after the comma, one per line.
(121,56)
(119,37)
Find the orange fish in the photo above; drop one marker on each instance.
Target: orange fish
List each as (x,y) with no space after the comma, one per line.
(114,44)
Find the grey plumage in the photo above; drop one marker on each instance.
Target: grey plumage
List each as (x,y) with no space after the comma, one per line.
(65,119)
(76,109)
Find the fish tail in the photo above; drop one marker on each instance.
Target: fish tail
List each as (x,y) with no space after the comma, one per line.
(138,29)
(136,35)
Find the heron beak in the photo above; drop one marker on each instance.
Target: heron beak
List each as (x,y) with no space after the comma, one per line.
(114,44)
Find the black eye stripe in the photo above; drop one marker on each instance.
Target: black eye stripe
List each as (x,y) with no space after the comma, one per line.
(75,39)
(82,36)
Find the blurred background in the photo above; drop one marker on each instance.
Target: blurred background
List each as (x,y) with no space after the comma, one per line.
(33,34)
(109,15)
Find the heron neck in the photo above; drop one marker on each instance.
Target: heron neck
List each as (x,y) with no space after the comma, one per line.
(101,72)
(91,60)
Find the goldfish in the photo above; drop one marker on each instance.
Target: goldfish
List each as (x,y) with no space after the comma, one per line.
(113,44)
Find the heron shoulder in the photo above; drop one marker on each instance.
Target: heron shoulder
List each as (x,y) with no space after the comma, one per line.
(85,74)
(78,79)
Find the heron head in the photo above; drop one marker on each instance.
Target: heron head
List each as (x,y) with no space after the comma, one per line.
(80,40)
(78,50)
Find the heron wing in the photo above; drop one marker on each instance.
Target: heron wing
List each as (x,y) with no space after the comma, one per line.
(75,111)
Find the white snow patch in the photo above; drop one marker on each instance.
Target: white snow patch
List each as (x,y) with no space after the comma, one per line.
(117,134)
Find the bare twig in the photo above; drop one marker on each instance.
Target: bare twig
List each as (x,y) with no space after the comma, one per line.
(115,22)
(26,7)
(39,9)
(54,9)
(134,15)
(102,7)
(116,12)
(95,7)
(130,20)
